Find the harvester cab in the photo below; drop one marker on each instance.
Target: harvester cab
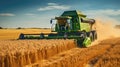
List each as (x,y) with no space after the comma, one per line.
(60,24)
(71,25)
(71,21)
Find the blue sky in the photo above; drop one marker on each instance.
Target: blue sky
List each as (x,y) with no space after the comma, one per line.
(37,13)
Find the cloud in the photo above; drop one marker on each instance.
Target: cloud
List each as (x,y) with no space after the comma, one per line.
(30,14)
(7,14)
(52,6)
(105,15)
(109,12)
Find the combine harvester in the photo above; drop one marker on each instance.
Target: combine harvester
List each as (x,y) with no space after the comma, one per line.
(70,25)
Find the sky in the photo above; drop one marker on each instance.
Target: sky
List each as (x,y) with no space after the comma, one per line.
(37,13)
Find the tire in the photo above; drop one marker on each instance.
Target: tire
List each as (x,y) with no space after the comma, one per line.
(88,39)
(84,34)
(80,40)
(91,36)
(94,35)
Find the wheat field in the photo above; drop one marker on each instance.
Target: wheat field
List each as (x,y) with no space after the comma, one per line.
(55,52)
(23,52)
(6,34)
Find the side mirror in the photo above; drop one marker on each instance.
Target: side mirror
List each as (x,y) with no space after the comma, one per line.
(51,21)
(68,20)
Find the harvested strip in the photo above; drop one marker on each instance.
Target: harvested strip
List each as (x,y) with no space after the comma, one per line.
(110,58)
(75,57)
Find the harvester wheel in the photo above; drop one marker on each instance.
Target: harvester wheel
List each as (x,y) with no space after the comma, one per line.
(87,41)
(91,36)
(84,34)
(81,40)
(94,35)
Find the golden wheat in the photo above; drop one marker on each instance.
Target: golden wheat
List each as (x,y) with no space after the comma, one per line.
(18,53)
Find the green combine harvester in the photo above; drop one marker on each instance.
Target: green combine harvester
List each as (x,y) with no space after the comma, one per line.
(70,25)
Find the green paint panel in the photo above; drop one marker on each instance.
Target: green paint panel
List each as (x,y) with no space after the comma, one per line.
(85,26)
(73,13)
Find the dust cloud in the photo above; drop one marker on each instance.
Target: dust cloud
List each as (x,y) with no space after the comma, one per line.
(105,30)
